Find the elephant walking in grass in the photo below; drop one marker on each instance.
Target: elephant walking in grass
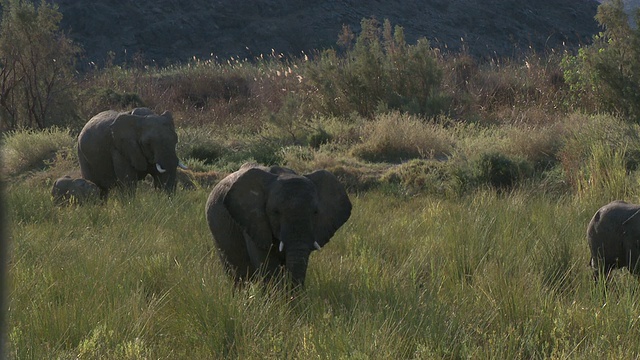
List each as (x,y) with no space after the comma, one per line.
(67,190)
(614,238)
(264,220)
(121,148)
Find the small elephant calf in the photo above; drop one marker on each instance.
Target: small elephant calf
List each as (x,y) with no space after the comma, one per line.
(614,238)
(67,190)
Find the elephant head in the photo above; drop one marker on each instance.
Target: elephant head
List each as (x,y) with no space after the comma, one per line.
(148,142)
(120,148)
(265,218)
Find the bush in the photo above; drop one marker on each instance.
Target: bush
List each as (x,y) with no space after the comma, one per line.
(604,173)
(319,137)
(395,138)
(197,85)
(429,176)
(29,149)
(583,134)
(379,72)
(605,76)
(36,92)
(100,99)
(200,144)
(500,171)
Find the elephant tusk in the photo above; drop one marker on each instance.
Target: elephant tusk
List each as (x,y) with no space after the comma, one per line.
(316,245)
(182,166)
(281,247)
(160,169)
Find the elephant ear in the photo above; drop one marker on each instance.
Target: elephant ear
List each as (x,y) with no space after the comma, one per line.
(334,208)
(125,131)
(246,202)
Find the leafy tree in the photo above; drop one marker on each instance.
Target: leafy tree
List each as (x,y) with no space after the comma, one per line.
(378,72)
(606,74)
(37,61)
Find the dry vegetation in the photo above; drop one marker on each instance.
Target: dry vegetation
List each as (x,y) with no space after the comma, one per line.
(472,185)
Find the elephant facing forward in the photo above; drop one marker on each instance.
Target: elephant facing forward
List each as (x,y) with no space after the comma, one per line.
(121,148)
(614,238)
(267,219)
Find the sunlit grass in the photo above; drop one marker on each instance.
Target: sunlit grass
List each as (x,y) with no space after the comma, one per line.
(25,149)
(482,276)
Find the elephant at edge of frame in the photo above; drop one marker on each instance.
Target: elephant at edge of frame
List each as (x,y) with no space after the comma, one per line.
(67,190)
(267,221)
(614,238)
(121,148)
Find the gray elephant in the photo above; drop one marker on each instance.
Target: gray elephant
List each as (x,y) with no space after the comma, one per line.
(614,238)
(264,220)
(67,190)
(121,148)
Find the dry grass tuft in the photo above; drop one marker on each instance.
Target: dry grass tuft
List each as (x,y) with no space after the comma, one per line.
(396,137)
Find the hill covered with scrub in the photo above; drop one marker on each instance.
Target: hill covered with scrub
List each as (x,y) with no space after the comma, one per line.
(472,182)
(168,31)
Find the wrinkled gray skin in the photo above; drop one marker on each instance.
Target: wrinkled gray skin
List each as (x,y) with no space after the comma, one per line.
(119,149)
(67,190)
(614,238)
(263,219)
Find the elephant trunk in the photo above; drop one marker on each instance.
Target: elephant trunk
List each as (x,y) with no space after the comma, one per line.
(165,167)
(296,262)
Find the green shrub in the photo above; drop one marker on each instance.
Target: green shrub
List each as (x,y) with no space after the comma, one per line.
(538,145)
(199,144)
(207,153)
(37,63)
(605,75)
(421,176)
(395,137)
(319,137)
(197,85)
(501,171)
(25,150)
(379,71)
(265,152)
(582,134)
(605,173)
(289,124)
(100,99)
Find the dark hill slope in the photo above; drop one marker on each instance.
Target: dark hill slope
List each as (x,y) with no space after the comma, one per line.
(173,31)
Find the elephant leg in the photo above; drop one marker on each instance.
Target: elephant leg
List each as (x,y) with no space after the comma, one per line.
(633,255)
(87,173)
(230,243)
(126,174)
(602,266)
(266,262)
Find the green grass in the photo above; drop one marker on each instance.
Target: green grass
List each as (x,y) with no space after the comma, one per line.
(24,150)
(481,276)
(467,238)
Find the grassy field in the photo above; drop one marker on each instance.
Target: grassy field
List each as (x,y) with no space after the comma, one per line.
(472,185)
(484,276)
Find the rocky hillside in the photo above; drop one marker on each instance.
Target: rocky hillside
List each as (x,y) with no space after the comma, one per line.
(168,31)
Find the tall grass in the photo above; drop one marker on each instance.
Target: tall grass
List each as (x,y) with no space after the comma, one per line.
(483,276)
(24,150)
(470,245)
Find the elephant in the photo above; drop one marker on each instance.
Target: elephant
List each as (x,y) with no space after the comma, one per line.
(121,148)
(614,238)
(266,221)
(67,190)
